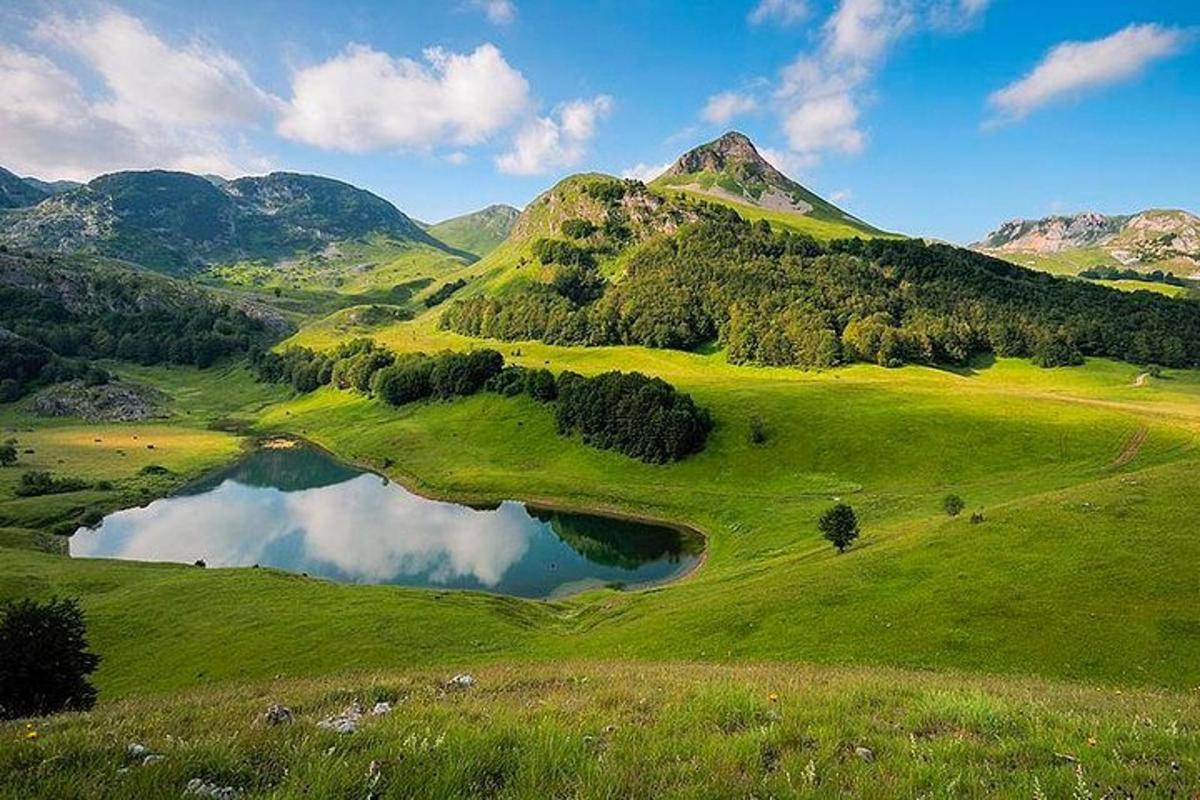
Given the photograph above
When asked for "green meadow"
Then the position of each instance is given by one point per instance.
(1081, 573)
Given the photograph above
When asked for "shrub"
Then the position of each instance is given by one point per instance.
(758, 431)
(8, 455)
(540, 385)
(36, 483)
(44, 659)
(577, 228)
(953, 505)
(977, 518)
(840, 526)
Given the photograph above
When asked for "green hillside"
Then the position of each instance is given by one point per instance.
(479, 232)
(730, 171)
(176, 222)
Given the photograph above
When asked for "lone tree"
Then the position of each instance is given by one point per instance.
(840, 526)
(44, 659)
(8, 454)
(953, 505)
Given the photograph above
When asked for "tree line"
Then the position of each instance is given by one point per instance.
(780, 298)
(642, 417)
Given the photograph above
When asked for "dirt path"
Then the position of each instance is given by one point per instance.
(1132, 447)
(1141, 379)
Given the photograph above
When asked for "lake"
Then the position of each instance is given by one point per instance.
(300, 510)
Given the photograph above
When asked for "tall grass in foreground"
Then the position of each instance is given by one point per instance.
(594, 730)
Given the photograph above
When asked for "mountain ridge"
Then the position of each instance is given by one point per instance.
(1152, 238)
(177, 221)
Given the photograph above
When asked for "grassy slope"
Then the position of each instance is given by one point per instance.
(1079, 546)
(480, 232)
(605, 730)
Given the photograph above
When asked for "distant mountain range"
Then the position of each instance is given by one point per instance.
(1167, 240)
(177, 222)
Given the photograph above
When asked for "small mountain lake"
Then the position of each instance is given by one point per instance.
(300, 510)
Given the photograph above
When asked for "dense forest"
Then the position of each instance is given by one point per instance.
(785, 299)
(56, 319)
(642, 417)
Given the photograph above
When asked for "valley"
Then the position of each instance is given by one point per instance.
(927, 642)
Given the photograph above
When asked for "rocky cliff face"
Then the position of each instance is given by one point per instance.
(1148, 238)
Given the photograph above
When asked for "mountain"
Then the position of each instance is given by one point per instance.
(52, 187)
(479, 232)
(731, 171)
(176, 221)
(18, 192)
(1156, 239)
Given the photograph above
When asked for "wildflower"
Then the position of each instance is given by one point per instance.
(31, 735)
(774, 698)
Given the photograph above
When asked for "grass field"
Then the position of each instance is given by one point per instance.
(1083, 570)
(605, 730)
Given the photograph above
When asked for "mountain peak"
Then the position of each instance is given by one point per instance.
(734, 153)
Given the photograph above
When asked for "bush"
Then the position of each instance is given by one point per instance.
(953, 505)
(577, 228)
(44, 659)
(758, 431)
(540, 385)
(36, 483)
(840, 526)
(8, 455)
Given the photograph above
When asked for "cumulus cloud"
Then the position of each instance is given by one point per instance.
(819, 97)
(1074, 67)
(725, 106)
(559, 140)
(151, 82)
(645, 172)
(144, 104)
(787, 162)
(500, 12)
(363, 100)
(784, 12)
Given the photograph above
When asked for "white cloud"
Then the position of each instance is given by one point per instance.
(645, 172)
(723, 107)
(863, 30)
(785, 12)
(547, 143)
(825, 123)
(1072, 67)
(841, 196)
(457, 158)
(152, 105)
(363, 100)
(152, 83)
(500, 12)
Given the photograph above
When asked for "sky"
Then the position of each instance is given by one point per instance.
(940, 118)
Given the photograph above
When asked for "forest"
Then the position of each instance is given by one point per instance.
(780, 298)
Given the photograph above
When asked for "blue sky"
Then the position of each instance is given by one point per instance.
(934, 117)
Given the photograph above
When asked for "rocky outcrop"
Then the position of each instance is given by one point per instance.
(109, 402)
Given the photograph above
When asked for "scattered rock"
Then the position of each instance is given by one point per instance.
(865, 753)
(346, 722)
(277, 714)
(136, 750)
(118, 401)
(198, 787)
(381, 708)
(461, 681)
(153, 758)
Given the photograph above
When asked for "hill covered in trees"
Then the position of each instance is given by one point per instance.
(701, 273)
(58, 316)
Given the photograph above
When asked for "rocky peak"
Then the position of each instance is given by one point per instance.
(733, 153)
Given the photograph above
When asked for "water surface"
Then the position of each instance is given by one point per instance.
(300, 510)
